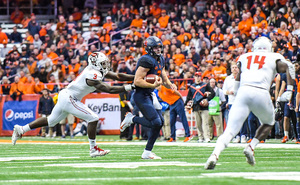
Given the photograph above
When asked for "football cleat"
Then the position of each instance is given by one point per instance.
(96, 151)
(17, 134)
(285, 139)
(150, 155)
(249, 153)
(249, 141)
(126, 122)
(211, 162)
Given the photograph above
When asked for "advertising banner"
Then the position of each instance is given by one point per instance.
(15, 112)
(108, 110)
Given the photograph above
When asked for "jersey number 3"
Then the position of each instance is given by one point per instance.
(260, 62)
(95, 76)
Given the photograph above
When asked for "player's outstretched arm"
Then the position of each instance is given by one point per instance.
(166, 82)
(103, 87)
(119, 76)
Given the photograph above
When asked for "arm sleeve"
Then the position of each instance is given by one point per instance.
(40, 106)
(212, 93)
(188, 97)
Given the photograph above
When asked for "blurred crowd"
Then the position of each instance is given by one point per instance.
(198, 36)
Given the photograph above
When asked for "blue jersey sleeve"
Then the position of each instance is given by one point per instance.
(145, 62)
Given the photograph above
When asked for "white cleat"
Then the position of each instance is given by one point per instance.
(96, 151)
(17, 134)
(150, 156)
(249, 153)
(211, 162)
(126, 122)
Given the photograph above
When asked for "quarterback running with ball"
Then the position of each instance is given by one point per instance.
(69, 100)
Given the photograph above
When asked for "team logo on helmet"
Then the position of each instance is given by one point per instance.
(93, 58)
(9, 115)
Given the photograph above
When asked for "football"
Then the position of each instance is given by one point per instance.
(204, 103)
(206, 94)
(151, 78)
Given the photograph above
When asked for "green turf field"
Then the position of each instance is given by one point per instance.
(59, 162)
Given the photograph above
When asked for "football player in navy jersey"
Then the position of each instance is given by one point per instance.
(145, 99)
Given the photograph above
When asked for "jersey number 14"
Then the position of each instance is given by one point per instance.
(260, 62)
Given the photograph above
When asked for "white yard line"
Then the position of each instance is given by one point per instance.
(34, 158)
(290, 176)
(190, 144)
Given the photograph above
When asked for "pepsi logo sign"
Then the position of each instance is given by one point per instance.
(9, 115)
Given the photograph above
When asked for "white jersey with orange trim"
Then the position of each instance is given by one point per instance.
(79, 88)
(258, 68)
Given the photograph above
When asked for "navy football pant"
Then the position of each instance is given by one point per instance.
(152, 118)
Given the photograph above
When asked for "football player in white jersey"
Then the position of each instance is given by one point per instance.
(257, 70)
(89, 80)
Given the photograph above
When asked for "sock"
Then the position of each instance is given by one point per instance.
(286, 133)
(147, 152)
(253, 143)
(222, 143)
(26, 128)
(92, 143)
(298, 130)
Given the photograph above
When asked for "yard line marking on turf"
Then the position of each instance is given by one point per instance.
(34, 158)
(125, 164)
(99, 179)
(141, 143)
(290, 176)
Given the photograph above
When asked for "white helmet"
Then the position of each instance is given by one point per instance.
(99, 61)
(262, 44)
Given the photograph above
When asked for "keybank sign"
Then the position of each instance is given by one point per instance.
(104, 107)
(107, 108)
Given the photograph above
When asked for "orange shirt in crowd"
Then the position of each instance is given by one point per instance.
(166, 42)
(217, 37)
(105, 38)
(74, 69)
(181, 37)
(283, 33)
(163, 21)
(137, 23)
(39, 87)
(29, 88)
(17, 19)
(168, 95)
(233, 47)
(155, 12)
(219, 71)
(25, 22)
(60, 26)
(107, 26)
(54, 57)
(43, 32)
(178, 59)
(17, 87)
(29, 39)
(245, 27)
(208, 74)
(23, 79)
(94, 21)
(3, 38)
(77, 16)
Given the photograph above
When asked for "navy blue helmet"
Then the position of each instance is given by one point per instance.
(152, 42)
